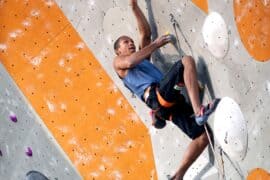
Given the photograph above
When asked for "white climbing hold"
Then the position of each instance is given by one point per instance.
(215, 34)
(230, 128)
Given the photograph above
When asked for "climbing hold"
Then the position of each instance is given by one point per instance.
(171, 37)
(35, 175)
(230, 128)
(258, 173)
(29, 151)
(252, 20)
(1, 154)
(13, 117)
(215, 34)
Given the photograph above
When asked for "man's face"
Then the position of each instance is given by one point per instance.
(126, 46)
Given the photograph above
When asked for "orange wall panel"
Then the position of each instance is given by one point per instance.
(253, 22)
(72, 94)
(202, 4)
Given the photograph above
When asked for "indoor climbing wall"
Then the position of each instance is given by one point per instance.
(74, 90)
(229, 41)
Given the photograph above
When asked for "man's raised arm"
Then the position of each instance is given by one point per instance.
(144, 27)
(127, 62)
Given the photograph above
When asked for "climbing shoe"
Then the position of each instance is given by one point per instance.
(206, 111)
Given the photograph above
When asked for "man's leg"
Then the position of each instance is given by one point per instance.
(184, 121)
(191, 83)
(190, 79)
(194, 149)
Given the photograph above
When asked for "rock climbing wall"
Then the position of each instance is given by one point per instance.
(25, 142)
(60, 56)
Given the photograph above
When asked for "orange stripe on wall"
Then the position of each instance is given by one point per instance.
(88, 116)
(202, 4)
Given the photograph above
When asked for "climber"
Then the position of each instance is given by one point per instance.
(161, 92)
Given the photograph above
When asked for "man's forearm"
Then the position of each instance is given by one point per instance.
(142, 54)
(137, 57)
(144, 27)
(126, 62)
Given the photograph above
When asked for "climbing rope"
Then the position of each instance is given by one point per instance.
(220, 169)
(175, 26)
(235, 165)
(221, 152)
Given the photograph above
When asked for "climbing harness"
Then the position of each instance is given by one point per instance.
(162, 101)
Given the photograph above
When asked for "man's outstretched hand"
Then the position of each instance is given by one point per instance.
(162, 40)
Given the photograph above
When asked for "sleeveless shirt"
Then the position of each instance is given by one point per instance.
(142, 76)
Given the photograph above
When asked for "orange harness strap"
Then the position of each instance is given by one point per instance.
(162, 101)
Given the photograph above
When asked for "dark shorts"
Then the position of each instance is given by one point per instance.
(181, 112)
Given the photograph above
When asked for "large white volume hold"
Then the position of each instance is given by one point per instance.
(215, 34)
(230, 129)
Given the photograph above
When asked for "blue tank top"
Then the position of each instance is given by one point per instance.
(142, 76)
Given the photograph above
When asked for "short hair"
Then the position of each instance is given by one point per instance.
(116, 43)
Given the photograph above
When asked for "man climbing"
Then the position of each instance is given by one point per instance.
(161, 92)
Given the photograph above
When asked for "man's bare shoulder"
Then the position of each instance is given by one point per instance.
(118, 66)
(120, 62)
(116, 61)
(117, 58)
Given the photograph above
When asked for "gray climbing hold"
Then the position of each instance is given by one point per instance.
(35, 175)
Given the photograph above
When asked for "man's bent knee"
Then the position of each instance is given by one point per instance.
(188, 60)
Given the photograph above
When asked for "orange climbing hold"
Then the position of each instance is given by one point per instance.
(253, 22)
(258, 174)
